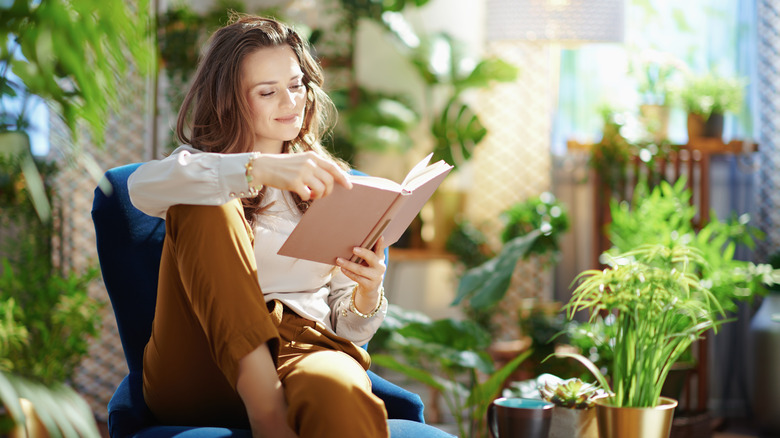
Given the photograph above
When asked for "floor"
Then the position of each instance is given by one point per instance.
(734, 430)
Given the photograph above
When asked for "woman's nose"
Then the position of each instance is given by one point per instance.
(288, 100)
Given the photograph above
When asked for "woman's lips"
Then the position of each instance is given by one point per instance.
(288, 119)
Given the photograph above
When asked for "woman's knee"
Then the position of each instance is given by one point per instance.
(326, 386)
(327, 372)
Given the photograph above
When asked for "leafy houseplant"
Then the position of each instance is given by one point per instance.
(449, 356)
(453, 126)
(660, 307)
(533, 226)
(656, 73)
(664, 216)
(69, 54)
(46, 316)
(707, 98)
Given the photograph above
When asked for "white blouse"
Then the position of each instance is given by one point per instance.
(316, 291)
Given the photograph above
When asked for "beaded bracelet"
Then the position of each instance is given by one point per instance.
(253, 190)
(354, 309)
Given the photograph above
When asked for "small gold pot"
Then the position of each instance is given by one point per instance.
(617, 422)
(574, 423)
(32, 427)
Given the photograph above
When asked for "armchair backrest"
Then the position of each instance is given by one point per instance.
(129, 245)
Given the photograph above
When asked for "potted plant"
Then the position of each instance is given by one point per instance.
(46, 318)
(660, 306)
(450, 357)
(707, 98)
(48, 52)
(574, 415)
(656, 72)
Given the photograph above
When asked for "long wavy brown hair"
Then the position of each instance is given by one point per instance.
(215, 115)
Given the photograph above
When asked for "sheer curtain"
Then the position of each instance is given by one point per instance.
(716, 36)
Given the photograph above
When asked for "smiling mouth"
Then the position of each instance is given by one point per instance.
(288, 119)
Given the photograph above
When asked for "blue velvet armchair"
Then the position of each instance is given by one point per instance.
(129, 245)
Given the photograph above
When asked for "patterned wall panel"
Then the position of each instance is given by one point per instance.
(513, 162)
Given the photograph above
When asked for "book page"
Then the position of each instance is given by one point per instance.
(425, 175)
(417, 169)
(374, 181)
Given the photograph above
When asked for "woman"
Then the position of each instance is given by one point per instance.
(242, 335)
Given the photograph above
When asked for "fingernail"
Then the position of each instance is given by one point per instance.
(340, 261)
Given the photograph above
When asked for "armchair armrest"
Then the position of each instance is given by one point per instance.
(127, 410)
(400, 403)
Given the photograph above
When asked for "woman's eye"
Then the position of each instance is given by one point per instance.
(296, 86)
(266, 93)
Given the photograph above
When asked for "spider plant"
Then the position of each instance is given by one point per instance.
(661, 306)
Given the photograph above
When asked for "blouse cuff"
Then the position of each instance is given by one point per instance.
(355, 327)
(233, 170)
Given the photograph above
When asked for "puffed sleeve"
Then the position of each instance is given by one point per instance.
(345, 322)
(188, 176)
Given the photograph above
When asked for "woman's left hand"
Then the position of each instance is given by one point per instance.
(368, 275)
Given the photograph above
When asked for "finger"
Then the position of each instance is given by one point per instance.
(316, 188)
(357, 268)
(380, 246)
(371, 258)
(364, 282)
(327, 181)
(303, 191)
(338, 175)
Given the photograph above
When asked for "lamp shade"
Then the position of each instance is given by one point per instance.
(556, 20)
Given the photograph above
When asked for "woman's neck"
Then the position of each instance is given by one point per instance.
(269, 147)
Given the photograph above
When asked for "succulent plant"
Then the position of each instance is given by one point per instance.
(572, 393)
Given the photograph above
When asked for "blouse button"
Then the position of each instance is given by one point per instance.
(241, 194)
(343, 312)
(232, 194)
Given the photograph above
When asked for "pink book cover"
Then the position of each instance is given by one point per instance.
(333, 225)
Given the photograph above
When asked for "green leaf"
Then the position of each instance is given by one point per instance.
(482, 394)
(10, 399)
(61, 410)
(588, 364)
(485, 285)
(417, 374)
(457, 131)
(487, 72)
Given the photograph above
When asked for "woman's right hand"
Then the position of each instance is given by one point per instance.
(307, 174)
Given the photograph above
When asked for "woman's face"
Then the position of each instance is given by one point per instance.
(273, 86)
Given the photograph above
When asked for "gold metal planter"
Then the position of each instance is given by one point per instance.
(655, 422)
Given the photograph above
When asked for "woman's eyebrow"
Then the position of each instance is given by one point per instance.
(298, 76)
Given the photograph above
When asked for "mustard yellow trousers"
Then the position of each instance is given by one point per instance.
(211, 313)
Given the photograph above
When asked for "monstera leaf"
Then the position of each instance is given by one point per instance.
(456, 131)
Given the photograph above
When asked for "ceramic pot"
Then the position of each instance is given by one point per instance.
(618, 422)
(519, 417)
(574, 423)
(656, 119)
(710, 128)
(765, 332)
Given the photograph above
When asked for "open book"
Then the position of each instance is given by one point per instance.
(374, 207)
